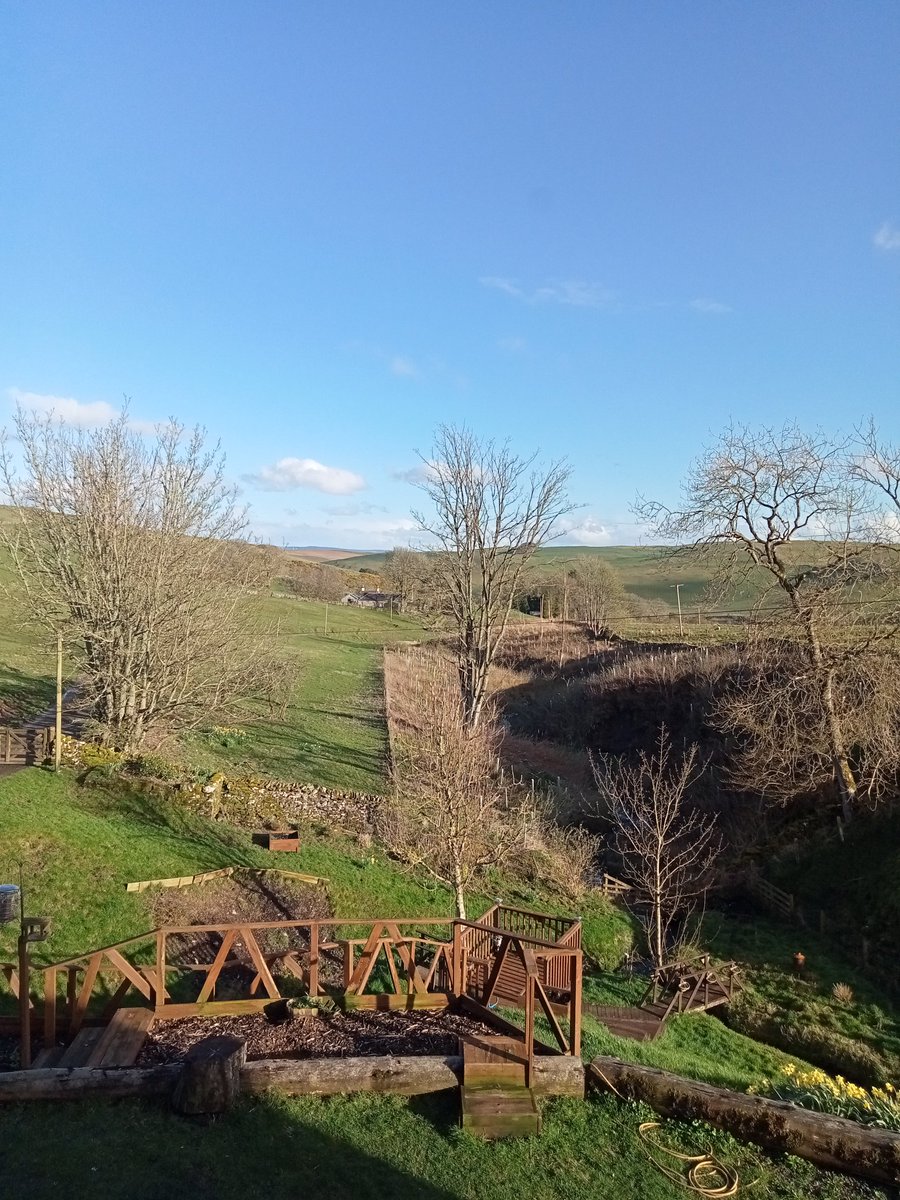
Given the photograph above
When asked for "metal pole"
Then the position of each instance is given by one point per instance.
(24, 996)
(326, 619)
(57, 742)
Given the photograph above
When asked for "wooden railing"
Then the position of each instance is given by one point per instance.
(418, 957)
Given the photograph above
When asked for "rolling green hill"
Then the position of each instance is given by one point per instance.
(645, 571)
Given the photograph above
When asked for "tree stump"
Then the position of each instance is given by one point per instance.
(210, 1079)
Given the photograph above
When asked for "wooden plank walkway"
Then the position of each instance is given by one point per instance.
(495, 1100)
(625, 1021)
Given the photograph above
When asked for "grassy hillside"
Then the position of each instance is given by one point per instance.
(646, 571)
(80, 845)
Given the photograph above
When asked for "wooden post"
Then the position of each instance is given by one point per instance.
(457, 981)
(529, 1028)
(71, 993)
(211, 1078)
(313, 984)
(24, 1003)
(50, 1007)
(575, 1006)
(159, 995)
(57, 741)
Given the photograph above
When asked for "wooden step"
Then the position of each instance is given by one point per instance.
(82, 1047)
(499, 1112)
(122, 1038)
(48, 1057)
(489, 1060)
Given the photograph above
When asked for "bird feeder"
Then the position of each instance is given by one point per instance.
(9, 903)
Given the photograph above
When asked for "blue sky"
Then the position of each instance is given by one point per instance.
(600, 229)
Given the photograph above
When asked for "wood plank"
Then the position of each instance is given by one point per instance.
(262, 967)
(132, 974)
(387, 1001)
(122, 1039)
(84, 995)
(212, 1008)
(217, 963)
(81, 1048)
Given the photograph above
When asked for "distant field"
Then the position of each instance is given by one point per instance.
(646, 571)
(319, 553)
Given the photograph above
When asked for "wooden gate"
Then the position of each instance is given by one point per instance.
(24, 747)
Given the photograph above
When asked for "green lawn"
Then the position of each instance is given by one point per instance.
(368, 1148)
(81, 844)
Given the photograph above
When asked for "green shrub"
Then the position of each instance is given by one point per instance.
(154, 766)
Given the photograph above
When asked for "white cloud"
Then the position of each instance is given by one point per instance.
(90, 414)
(405, 368)
(290, 473)
(66, 409)
(585, 531)
(576, 293)
(887, 237)
(417, 474)
(352, 510)
(714, 308)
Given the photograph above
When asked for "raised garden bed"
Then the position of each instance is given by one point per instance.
(337, 1035)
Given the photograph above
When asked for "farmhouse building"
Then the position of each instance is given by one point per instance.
(371, 599)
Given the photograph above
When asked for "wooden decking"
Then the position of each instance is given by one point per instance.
(674, 988)
(495, 1099)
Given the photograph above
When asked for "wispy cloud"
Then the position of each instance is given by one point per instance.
(576, 293)
(418, 474)
(352, 510)
(404, 367)
(712, 308)
(290, 473)
(512, 345)
(89, 414)
(887, 237)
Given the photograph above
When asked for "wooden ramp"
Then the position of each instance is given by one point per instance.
(496, 1101)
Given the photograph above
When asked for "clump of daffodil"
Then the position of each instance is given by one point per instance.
(812, 1088)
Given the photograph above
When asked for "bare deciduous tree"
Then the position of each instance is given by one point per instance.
(133, 548)
(491, 510)
(596, 594)
(780, 507)
(451, 813)
(667, 847)
(402, 573)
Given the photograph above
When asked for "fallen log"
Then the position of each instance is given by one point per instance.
(408, 1076)
(82, 1083)
(831, 1142)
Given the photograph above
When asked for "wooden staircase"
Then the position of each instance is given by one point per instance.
(496, 1100)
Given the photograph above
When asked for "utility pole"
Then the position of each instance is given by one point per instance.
(57, 741)
(678, 587)
(326, 618)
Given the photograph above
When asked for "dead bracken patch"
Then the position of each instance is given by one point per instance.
(338, 1035)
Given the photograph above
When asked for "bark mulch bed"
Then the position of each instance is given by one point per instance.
(337, 1035)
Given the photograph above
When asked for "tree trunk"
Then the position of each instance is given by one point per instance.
(459, 892)
(843, 772)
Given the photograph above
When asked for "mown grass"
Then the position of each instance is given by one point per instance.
(81, 844)
(370, 1148)
(333, 731)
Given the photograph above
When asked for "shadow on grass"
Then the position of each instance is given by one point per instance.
(264, 1147)
(22, 695)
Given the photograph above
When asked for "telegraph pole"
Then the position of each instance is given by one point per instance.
(57, 741)
(678, 587)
